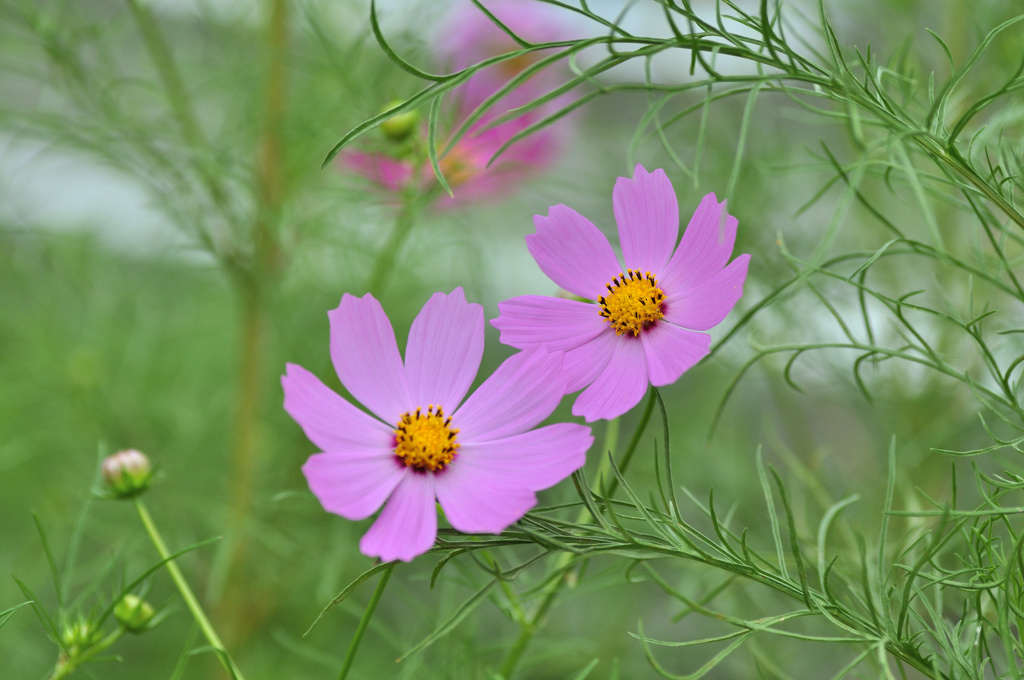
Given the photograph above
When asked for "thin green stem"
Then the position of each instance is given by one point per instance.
(518, 615)
(611, 440)
(385, 263)
(527, 631)
(364, 622)
(530, 627)
(627, 456)
(186, 592)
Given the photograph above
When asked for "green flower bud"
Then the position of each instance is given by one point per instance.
(134, 613)
(79, 636)
(127, 473)
(397, 128)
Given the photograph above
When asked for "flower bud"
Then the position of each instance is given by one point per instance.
(127, 473)
(79, 636)
(133, 613)
(398, 127)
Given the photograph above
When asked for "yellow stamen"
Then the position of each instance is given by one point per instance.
(458, 167)
(516, 65)
(633, 302)
(426, 441)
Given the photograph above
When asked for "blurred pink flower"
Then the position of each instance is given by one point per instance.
(480, 458)
(465, 166)
(470, 37)
(644, 328)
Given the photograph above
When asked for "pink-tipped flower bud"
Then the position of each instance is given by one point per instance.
(127, 473)
(134, 613)
(398, 127)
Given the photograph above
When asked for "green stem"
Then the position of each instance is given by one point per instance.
(389, 253)
(527, 631)
(627, 457)
(186, 592)
(67, 666)
(168, 72)
(270, 171)
(177, 95)
(611, 440)
(243, 463)
(254, 284)
(530, 627)
(365, 622)
(518, 615)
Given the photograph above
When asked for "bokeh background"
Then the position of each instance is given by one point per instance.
(139, 307)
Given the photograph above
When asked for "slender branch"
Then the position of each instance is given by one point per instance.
(400, 232)
(364, 622)
(185, 590)
(530, 627)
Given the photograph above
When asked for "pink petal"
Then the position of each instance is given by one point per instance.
(471, 36)
(619, 387)
(647, 213)
(586, 362)
(572, 252)
(388, 172)
(705, 304)
(532, 460)
(555, 323)
(471, 175)
(366, 357)
(475, 500)
(706, 246)
(329, 421)
(521, 393)
(407, 526)
(671, 351)
(353, 483)
(534, 152)
(446, 342)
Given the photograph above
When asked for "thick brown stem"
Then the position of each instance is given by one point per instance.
(241, 608)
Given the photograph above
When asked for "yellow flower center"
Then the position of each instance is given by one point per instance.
(516, 65)
(633, 302)
(425, 441)
(458, 167)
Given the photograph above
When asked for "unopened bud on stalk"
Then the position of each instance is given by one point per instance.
(133, 613)
(397, 128)
(127, 473)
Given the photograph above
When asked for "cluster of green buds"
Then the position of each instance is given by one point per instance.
(83, 639)
(127, 473)
(80, 636)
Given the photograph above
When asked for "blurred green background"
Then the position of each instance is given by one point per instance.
(126, 294)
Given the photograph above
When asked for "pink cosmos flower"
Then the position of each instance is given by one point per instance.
(469, 37)
(645, 327)
(480, 458)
